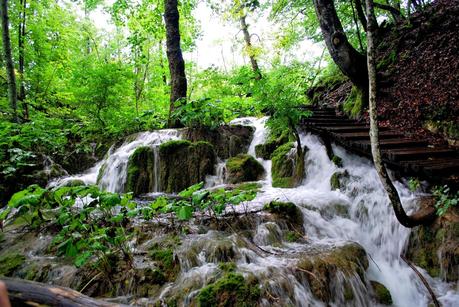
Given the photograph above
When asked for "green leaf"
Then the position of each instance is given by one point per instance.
(82, 259)
(185, 213)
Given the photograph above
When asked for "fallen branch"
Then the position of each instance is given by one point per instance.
(24, 292)
(424, 281)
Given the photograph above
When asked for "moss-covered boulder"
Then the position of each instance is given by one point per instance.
(183, 164)
(244, 167)
(230, 290)
(320, 270)
(285, 210)
(140, 171)
(338, 180)
(10, 262)
(382, 294)
(435, 247)
(228, 140)
(265, 150)
(287, 166)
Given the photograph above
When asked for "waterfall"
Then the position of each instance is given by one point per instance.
(111, 173)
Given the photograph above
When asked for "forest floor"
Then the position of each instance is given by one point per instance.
(418, 72)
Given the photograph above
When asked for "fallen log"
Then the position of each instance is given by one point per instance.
(29, 293)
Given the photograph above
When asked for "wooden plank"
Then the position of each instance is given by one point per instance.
(420, 153)
(365, 135)
(392, 143)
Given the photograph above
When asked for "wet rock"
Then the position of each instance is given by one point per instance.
(184, 163)
(228, 140)
(230, 290)
(286, 210)
(382, 294)
(287, 167)
(337, 161)
(140, 171)
(74, 183)
(321, 269)
(243, 168)
(265, 151)
(435, 247)
(10, 262)
(339, 179)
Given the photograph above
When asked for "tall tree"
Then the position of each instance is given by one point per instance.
(12, 92)
(21, 47)
(351, 62)
(174, 56)
(248, 43)
(421, 217)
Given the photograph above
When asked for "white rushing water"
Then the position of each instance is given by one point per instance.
(112, 170)
(368, 220)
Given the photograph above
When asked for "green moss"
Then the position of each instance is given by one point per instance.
(74, 183)
(140, 171)
(184, 164)
(172, 146)
(388, 60)
(337, 161)
(230, 290)
(382, 294)
(10, 262)
(244, 167)
(283, 167)
(227, 266)
(265, 151)
(101, 173)
(164, 256)
(355, 103)
(348, 292)
(248, 186)
(338, 179)
(286, 210)
(292, 236)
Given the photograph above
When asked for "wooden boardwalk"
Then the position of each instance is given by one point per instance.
(405, 156)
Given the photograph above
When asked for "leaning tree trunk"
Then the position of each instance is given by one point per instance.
(248, 43)
(419, 218)
(174, 56)
(349, 60)
(12, 92)
(30, 293)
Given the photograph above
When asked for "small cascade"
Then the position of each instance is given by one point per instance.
(111, 173)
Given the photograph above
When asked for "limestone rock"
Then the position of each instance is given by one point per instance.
(183, 164)
(244, 167)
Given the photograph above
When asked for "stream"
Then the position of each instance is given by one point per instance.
(359, 212)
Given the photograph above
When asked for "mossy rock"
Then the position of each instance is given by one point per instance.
(265, 151)
(10, 262)
(337, 161)
(166, 261)
(382, 294)
(183, 164)
(74, 183)
(101, 173)
(338, 180)
(350, 260)
(435, 247)
(230, 290)
(243, 168)
(228, 140)
(286, 210)
(287, 167)
(140, 171)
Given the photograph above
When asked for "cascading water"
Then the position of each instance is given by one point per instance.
(360, 212)
(110, 173)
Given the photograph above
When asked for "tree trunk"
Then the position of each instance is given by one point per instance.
(12, 92)
(21, 47)
(350, 61)
(161, 63)
(361, 14)
(30, 293)
(248, 43)
(175, 57)
(418, 218)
